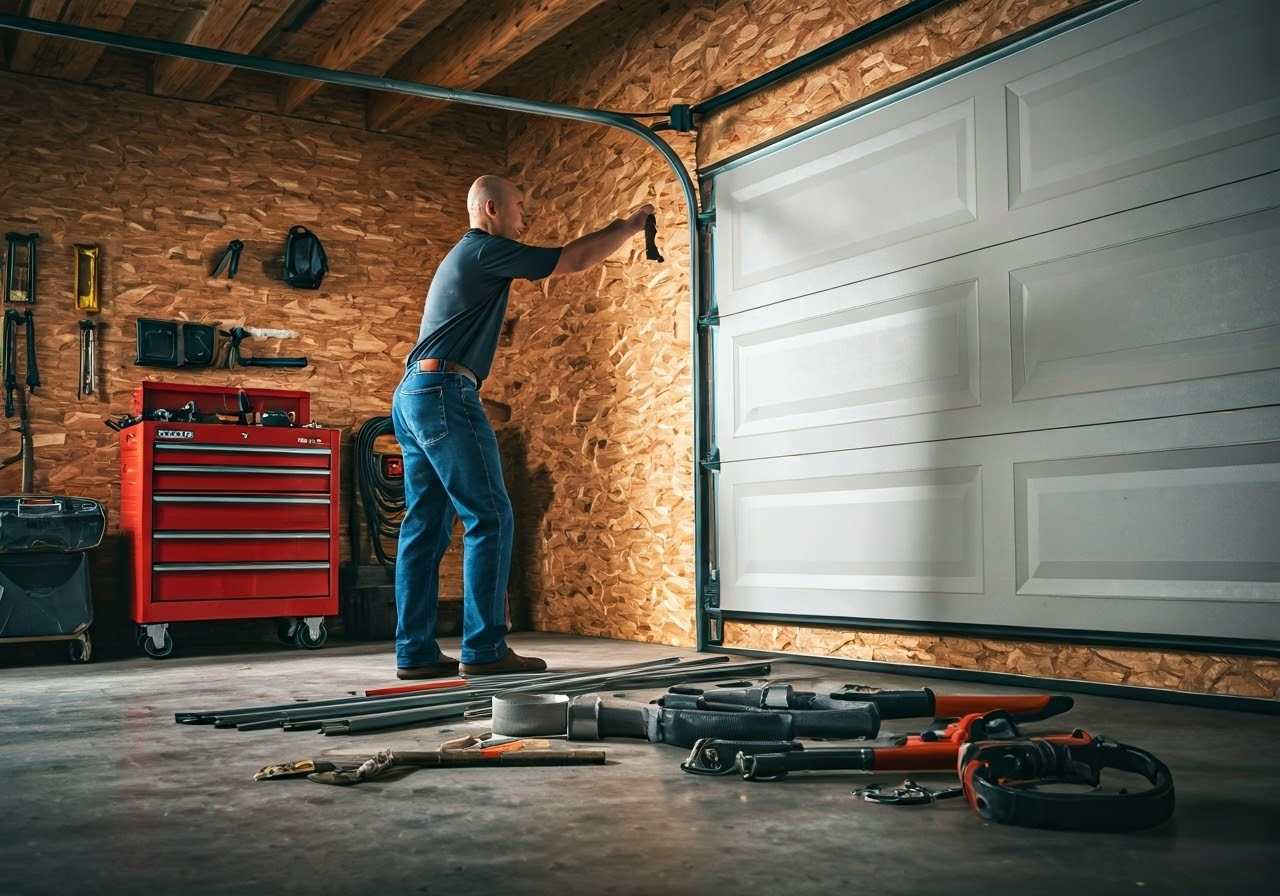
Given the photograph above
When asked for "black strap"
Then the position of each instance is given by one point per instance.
(33, 372)
(1001, 780)
(230, 259)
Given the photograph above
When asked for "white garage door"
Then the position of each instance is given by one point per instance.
(1002, 353)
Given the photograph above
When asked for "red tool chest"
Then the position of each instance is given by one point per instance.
(229, 520)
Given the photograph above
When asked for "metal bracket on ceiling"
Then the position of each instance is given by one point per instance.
(680, 120)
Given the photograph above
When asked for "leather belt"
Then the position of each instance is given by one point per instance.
(439, 365)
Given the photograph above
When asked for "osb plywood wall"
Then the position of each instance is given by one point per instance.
(162, 187)
(600, 375)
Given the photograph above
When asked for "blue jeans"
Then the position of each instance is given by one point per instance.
(451, 465)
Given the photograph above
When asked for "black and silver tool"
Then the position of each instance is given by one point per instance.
(88, 358)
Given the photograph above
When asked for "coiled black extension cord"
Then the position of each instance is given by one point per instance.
(381, 496)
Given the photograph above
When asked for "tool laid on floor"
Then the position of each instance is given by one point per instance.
(508, 754)
(441, 684)
(1004, 774)
(910, 704)
(1003, 782)
(937, 747)
(591, 717)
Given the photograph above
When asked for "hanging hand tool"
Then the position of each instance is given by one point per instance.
(238, 335)
(88, 358)
(230, 261)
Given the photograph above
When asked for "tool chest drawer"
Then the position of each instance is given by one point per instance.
(204, 546)
(230, 520)
(240, 512)
(236, 581)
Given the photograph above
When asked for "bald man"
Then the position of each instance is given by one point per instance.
(451, 460)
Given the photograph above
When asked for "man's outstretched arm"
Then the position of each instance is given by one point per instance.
(592, 248)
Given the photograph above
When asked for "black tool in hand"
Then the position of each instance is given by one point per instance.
(650, 240)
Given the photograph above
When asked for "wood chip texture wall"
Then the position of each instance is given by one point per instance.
(596, 368)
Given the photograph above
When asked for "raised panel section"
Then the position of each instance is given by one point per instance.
(1197, 84)
(909, 355)
(1194, 524)
(1154, 527)
(892, 531)
(1200, 302)
(887, 188)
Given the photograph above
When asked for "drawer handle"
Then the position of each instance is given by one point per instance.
(237, 449)
(258, 499)
(231, 468)
(227, 567)
(240, 536)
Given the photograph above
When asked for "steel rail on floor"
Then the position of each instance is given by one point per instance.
(400, 718)
(211, 716)
(345, 715)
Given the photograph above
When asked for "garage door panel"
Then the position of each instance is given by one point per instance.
(1200, 302)
(907, 530)
(1192, 524)
(906, 355)
(1191, 86)
(1060, 132)
(898, 185)
(980, 531)
(1169, 309)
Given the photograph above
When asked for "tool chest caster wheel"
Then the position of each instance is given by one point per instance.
(287, 632)
(146, 640)
(80, 649)
(312, 640)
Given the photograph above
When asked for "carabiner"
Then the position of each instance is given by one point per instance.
(909, 794)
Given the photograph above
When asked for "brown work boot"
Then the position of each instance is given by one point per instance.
(445, 667)
(511, 664)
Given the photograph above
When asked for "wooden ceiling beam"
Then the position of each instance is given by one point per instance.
(70, 59)
(358, 35)
(469, 51)
(234, 25)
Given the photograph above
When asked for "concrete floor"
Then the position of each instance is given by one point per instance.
(104, 792)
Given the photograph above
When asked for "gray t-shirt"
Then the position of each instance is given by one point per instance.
(467, 299)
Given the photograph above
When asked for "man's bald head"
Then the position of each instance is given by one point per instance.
(496, 205)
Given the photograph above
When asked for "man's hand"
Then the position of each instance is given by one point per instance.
(638, 218)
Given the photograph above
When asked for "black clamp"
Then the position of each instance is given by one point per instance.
(1001, 780)
(230, 259)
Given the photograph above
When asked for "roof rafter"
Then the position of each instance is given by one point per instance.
(55, 58)
(235, 25)
(361, 33)
(467, 52)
